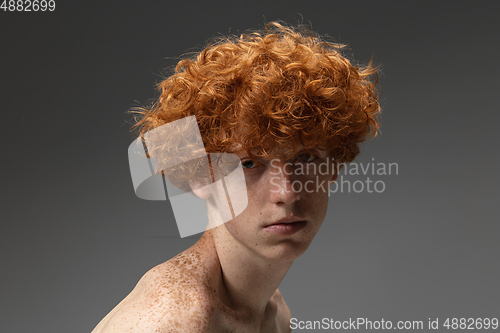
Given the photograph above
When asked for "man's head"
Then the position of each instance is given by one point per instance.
(283, 87)
(271, 98)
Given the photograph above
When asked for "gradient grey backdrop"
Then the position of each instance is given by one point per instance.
(75, 239)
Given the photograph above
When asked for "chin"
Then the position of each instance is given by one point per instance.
(286, 250)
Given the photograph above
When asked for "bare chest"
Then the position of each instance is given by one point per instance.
(275, 321)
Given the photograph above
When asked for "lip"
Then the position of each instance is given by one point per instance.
(286, 226)
(286, 220)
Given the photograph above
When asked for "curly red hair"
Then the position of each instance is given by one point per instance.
(284, 86)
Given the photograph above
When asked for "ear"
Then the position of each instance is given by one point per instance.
(200, 190)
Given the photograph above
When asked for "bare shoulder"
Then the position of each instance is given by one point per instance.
(171, 297)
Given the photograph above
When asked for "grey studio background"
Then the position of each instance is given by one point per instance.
(75, 239)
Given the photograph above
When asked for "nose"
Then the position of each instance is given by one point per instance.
(282, 186)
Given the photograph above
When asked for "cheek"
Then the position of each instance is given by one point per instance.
(233, 228)
(316, 195)
(246, 223)
(255, 196)
(242, 224)
(241, 229)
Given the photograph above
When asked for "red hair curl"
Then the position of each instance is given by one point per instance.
(281, 87)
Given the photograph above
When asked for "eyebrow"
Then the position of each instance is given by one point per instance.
(285, 156)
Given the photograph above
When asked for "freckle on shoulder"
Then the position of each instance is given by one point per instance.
(172, 298)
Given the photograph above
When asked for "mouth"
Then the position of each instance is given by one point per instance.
(286, 226)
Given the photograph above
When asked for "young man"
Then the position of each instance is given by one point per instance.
(285, 102)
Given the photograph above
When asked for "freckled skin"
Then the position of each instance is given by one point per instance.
(227, 282)
(184, 295)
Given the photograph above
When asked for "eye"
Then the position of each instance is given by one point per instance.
(248, 164)
(305, 158)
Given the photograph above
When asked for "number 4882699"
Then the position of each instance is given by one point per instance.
(28, 5)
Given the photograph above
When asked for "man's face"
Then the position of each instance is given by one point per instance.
(287, 203)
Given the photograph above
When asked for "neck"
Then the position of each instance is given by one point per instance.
(248, 279)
